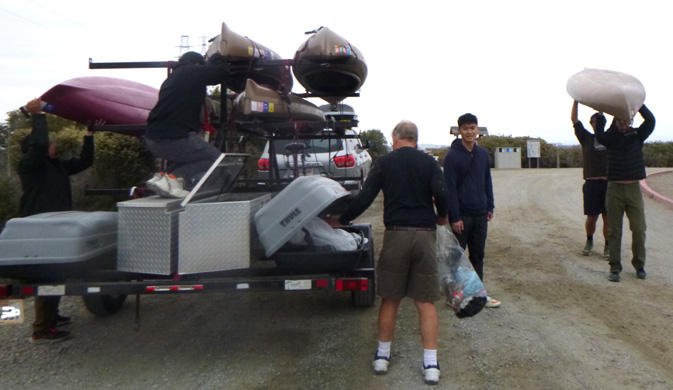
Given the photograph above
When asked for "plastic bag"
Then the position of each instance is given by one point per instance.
(465, 293)
(322, 234)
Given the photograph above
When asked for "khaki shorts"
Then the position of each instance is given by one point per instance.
(408, 266)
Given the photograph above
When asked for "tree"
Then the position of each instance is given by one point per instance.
(378, 143)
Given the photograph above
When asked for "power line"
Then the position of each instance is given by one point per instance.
(56, 13)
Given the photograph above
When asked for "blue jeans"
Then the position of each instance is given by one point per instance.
(186, 157)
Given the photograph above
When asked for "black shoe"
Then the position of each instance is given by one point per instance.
(641, 274)
(62, 320)
(50, 336)
(613, 277)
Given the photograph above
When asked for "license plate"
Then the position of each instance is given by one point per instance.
(297, 284)
(11, 312)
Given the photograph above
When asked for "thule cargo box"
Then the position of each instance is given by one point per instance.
(287, 215)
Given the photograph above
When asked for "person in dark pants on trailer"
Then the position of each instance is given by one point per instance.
(595, 166)
(467, 171)
(173, 123)
(411, 180)
(45, 181)
(625, 170)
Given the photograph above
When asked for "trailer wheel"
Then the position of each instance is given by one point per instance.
(103, 305)
(365, 298)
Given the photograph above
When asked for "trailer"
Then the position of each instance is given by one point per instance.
(208, 242)
(214, 241)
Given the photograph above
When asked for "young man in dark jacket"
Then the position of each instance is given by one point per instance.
(467, 171)
(413, 187)
(625, 170)
(595, 166)
(173, 123)
(45, 181)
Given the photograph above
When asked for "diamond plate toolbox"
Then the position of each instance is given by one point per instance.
(148, 235)
(220, 236)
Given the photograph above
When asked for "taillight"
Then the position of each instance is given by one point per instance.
(352, 284)
(4, 291)
(345, 161)
(263, 164)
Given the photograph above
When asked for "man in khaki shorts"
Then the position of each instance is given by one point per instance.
(413, 185)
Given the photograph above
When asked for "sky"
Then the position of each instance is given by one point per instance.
(507, 62)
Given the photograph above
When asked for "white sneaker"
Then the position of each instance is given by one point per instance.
(492, 303)
(157, 176)
(177, 186)
(381, 364)
(161, 187)
(431, 374)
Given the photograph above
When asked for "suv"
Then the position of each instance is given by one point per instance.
(340, 156)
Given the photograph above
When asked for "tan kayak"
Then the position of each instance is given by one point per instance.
(262, 109)
(249, 59)
(328, 66)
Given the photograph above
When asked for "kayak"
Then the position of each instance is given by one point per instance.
(618, 94)
(262, 109)
(329, 66)
(87, 99)
(249, 59)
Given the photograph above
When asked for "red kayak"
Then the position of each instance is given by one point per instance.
(86, 99)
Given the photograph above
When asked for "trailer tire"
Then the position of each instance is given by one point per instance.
(364, 298)
(103, 305)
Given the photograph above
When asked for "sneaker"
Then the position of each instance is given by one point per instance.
(606, 252)
(50, 336)
(381, 364)
(431, 374)
(177, 187)
(492, 303)
(613, 277)
(641, 274)
(157, 176)
(62, 320)
(588, 248)
(160, 187)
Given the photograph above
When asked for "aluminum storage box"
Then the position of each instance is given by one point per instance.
(220, 236)
(285, 215)
(148, 235)
(209, 230)
(58, 244)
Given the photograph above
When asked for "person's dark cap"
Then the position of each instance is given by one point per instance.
(191, 57)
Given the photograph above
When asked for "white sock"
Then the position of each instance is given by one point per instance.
(384, 349)
(429, 357)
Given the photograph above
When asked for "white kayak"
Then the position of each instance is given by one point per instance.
(615, 93)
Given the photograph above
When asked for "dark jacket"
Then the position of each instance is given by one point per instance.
(181, 98)
(625, 150)
(410, 180)
(594, 154)
(45, 181)
(468, 179)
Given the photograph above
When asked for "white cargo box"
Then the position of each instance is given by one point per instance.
(58, 242)
(287, 213)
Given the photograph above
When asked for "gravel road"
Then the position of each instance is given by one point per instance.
(562, 325)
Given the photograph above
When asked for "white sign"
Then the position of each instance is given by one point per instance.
(533, 147)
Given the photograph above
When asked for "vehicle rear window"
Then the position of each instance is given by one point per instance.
(312, 145)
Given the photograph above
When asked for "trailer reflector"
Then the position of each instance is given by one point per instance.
(352, 285)
(27, 290)
(4, 291)
(322, 283)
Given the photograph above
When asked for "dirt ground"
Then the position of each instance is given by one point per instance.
(562, 324)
